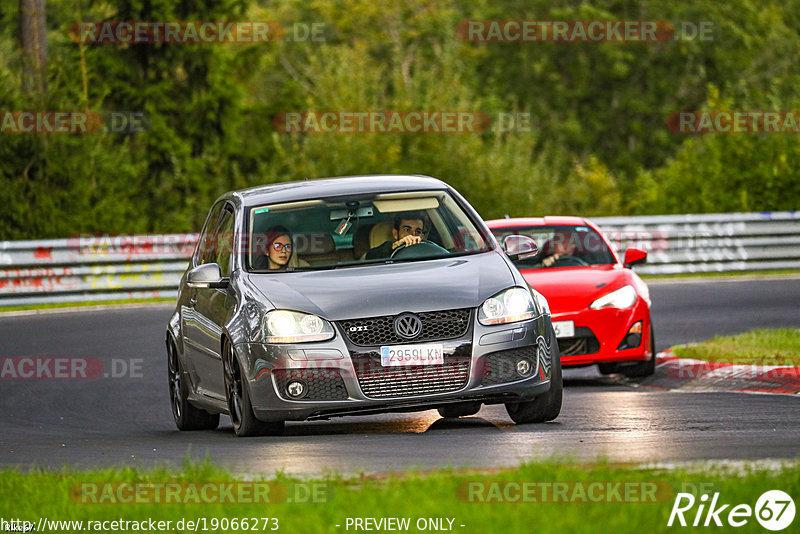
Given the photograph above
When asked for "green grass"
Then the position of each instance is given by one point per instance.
(58, 305)
(436, 494)
(721, 274)
(764, 346)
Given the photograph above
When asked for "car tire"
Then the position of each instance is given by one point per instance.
(187, 416)
(645, 368)
(547, 406)
(452, 411)
(245, 422)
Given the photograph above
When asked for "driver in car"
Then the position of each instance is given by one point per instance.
(560, 250)
(409, 229)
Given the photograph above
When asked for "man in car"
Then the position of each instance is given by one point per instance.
(560, 249)
(409, 229)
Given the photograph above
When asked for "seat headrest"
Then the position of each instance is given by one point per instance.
(314, 244)
(381, 233)
(361, 240)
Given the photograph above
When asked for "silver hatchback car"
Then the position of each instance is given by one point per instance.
(359, 295)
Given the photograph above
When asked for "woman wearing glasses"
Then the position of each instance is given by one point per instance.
(278, 249)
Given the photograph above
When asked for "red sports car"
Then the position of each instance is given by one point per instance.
(600, 307)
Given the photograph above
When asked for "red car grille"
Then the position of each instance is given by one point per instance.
(584, 342)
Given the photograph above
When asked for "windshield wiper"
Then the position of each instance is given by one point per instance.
(314, 268)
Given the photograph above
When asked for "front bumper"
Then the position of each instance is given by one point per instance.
(345, 379)
(599, 334)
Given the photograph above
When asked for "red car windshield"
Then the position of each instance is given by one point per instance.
(561, 246)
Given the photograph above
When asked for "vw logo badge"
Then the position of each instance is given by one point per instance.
(408, 326)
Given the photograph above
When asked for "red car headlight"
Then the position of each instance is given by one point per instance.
(624, 297)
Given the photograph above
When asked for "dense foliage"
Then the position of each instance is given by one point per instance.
(598, 142)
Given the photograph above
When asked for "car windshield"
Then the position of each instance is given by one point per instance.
(331, 233)
(561, 246)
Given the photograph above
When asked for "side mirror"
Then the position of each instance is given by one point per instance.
(207, 275)
(520, 247)
(634, 256)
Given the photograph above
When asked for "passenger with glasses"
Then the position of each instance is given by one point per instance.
(278, 249)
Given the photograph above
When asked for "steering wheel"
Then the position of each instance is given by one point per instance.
(419, 250)
(570, 261)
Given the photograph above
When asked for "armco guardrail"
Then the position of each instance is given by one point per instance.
(93, 267)
(710, 242)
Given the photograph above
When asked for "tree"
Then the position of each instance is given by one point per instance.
(33, 37)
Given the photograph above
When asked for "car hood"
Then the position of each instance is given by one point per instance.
(388, 289)
(575, 288)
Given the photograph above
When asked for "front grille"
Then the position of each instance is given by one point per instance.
(380, 382)
(323, 384)
(501, 366)
(583, 342)
(436, 326)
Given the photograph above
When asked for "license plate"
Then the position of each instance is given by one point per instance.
(427, 354)
(564, 328)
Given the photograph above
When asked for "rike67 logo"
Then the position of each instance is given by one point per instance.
(774, 510)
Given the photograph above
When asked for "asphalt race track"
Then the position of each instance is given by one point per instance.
(127, 420)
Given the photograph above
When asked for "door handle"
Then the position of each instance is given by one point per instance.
(192, 301)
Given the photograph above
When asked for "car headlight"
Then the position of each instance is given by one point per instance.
(543, 304)
(624, 297)
(283, 326)
(508, 306)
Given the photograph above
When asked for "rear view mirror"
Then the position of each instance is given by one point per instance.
(634, 256)
(520, 247)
